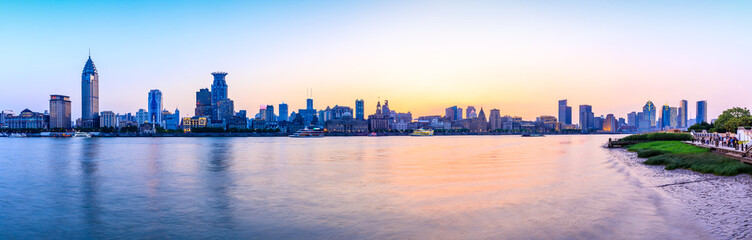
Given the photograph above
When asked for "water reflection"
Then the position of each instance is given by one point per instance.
(89, 164)
(219, 184)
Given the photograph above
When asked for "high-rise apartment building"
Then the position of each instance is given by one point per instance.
(155, 107)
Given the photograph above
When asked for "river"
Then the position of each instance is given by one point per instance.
(441, 187)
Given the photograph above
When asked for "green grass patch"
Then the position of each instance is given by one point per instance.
(701, 162)
(675, 154)
(659, 137)
(667, 147)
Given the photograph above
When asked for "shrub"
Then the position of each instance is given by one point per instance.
(701, 162)
(649, 153)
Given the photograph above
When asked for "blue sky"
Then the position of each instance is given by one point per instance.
(519, 56)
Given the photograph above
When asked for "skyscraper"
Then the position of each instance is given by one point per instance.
(155, 106)
(218, 93)
(565, 112)
(60, 112)
(632, 119)
(359, 109)
(674, 120)
(203, 103)
(309, 104)
(610, 124)
(494, 119)
(683, 114)
(649, 114)
(702, 111)
(451, 113)
(270, 114)
(665, 116)
(459, 114)
(283, 112)
(587, 118)
(89, 95)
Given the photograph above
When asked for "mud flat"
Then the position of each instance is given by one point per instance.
(722, 204)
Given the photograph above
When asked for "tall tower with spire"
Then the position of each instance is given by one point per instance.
(89, 94)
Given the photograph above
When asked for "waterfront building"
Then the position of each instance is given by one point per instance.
(610, 124)
(479, 123)
(194, 122)
(171, 121)
(155, 107)
(283, 112)
(459, 114)
(470, 112)
(89, 95)
(108, 119)
(665, 117)
(142, 116)
(587, 118)
(3, 115)
(347, 124)
(683, 114)
(338, 112)
(649, 113)
(702, 112)
(203, 102)
(379, 121)
(359, 109)
(565, 112)
(547, 123)
(640, 120)
(28, 120)
(451, 113)
(60, 112)
(269, 115)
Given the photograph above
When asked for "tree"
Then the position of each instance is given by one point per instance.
(732, 118)
(702, 126)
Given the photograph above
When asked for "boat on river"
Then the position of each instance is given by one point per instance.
(308, 133)
(532, 135)
(422, 132)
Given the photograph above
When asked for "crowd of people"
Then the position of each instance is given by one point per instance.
(723, 141)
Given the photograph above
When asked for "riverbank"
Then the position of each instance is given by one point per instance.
(676, 154)
(721, 203)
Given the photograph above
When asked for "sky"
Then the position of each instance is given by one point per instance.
(423, 56)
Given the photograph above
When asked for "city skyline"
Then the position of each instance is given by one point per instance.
(502, 66)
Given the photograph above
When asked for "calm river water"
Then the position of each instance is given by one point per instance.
(454, 187)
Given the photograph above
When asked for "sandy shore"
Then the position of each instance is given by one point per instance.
(722, 204)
